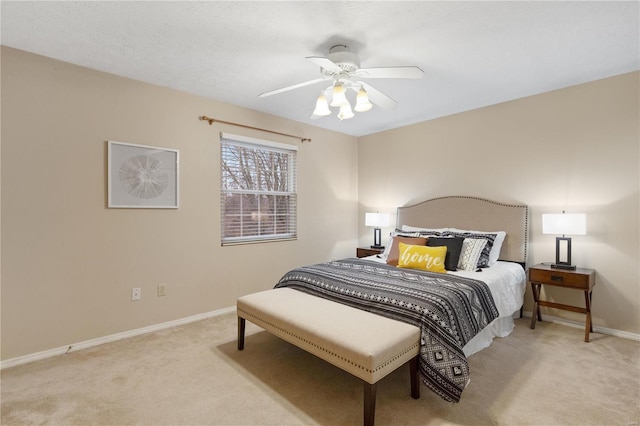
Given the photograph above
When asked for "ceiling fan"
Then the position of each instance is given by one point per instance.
(342, 68)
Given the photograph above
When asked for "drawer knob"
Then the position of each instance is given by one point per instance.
(556, 278)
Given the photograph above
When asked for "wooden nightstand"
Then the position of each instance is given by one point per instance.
(366, 251)
(579, 279)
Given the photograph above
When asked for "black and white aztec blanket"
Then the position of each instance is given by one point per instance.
(448, 309)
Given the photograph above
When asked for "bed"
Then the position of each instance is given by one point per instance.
(473, 213)
(369, 316)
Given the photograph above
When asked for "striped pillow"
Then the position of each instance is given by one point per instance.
(470, 254)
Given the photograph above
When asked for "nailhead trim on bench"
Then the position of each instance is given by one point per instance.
(247, 315)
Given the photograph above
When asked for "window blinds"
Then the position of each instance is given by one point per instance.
(257, 190)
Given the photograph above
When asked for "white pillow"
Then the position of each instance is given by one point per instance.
(387, 248)
(494, 254)
(497, 245)
(470, 253)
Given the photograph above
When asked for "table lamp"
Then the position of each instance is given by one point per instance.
(377, 220)
(564, 224)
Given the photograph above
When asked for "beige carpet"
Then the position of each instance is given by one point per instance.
(193, 375)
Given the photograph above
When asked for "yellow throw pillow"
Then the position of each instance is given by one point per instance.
(394, 252)
(422, 257)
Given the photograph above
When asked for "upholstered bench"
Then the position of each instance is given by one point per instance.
(366, 345)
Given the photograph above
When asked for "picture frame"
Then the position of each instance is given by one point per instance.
(142, 176)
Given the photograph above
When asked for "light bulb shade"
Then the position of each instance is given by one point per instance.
(345, 112)
(339, 96)
(376, 219)
(322, 106)
(362, 101)
(564, 224)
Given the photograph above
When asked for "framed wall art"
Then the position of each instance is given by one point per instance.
(141, 176)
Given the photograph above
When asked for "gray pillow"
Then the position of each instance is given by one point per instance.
(454, 247)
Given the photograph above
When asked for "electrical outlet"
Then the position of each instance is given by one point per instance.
(136, 293)
(162, 290)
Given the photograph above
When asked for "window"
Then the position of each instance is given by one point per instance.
(257, 190)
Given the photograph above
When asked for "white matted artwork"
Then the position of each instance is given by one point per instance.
(141, 176)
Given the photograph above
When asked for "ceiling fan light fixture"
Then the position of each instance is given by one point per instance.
(362, 101)
(339, 96)
(345, 112)
(342, 69)
(322, 106)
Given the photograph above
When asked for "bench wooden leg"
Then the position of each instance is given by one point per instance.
(415, 382)
(241, 325)
(369, 403)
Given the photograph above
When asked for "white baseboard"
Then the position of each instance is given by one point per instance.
(112, 338)
(596, 329)
(150, 329)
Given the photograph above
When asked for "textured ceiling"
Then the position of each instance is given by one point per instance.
(473, 54)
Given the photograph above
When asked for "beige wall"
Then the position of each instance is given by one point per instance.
(575, 149)
(69, 263)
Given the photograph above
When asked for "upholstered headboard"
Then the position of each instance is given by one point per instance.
(472, 213)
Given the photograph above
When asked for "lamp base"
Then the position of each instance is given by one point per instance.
(563, 266)
(377, 239)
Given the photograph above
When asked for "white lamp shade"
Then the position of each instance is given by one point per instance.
(322, 106)
(345, 112)
(564, 224)
(362, 101)
(376, 219)
(339, 96)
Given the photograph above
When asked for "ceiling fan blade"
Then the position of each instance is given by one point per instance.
(390, 72)
(295, 86)
(325, 63)
(378, 98)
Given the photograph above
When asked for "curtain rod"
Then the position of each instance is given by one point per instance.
(215, 120)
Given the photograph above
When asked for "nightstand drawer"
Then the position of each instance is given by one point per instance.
(560, 278)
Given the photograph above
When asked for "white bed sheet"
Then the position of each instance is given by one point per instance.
(507, 282)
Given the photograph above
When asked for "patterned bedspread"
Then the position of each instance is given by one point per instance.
(448, 309)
